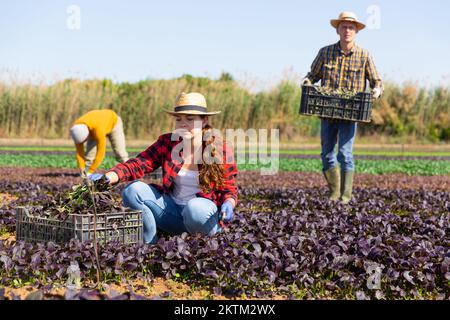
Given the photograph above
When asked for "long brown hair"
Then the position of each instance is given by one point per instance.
(212, 172)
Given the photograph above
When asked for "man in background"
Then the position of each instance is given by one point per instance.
(342, 65)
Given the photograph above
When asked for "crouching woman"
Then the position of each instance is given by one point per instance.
(198, 192)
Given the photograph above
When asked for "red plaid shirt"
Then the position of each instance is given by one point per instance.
(159, 154)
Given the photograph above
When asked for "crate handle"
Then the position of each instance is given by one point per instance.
(24, 210)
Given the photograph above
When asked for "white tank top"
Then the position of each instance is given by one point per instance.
(186, 186)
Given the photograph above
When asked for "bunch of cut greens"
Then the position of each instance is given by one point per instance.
(81, 199)
(340, 93)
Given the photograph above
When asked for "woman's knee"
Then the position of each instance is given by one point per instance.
(136, 192)
(200, 215)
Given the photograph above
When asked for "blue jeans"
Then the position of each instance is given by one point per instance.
(329, 134)
(199, 215)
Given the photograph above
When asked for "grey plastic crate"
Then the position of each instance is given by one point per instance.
(122, 227)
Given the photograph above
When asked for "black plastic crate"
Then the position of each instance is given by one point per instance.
(357, 108)
(121, 227)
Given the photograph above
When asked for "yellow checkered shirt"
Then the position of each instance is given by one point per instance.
(339, 71)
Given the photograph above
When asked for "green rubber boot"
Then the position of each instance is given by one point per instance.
(333, 178)
(346, 186)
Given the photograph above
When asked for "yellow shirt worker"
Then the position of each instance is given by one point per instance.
(94, 127)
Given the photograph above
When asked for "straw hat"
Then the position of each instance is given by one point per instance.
(191, 103)
(349, 17)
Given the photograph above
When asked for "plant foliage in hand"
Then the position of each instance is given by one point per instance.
(81, 200)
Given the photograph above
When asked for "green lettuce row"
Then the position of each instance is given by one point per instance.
(409, 167)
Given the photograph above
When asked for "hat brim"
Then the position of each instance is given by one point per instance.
(192, 112)
(335, 23)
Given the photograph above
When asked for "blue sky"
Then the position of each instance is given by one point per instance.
(259, 42)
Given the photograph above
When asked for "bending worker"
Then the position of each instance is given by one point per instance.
(343, 65)
(93, 128)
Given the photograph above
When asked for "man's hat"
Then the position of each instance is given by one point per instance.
(348, 17)
(191, 103)
(79, 133)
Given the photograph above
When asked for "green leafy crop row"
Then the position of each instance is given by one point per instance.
(409, 167)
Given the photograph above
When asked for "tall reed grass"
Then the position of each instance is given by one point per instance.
(47, 111)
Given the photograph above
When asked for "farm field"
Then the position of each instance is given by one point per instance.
(260, 226)
(286, 242)
(420, 162)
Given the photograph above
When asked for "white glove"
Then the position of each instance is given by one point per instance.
(306, 82)
(376, 92)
